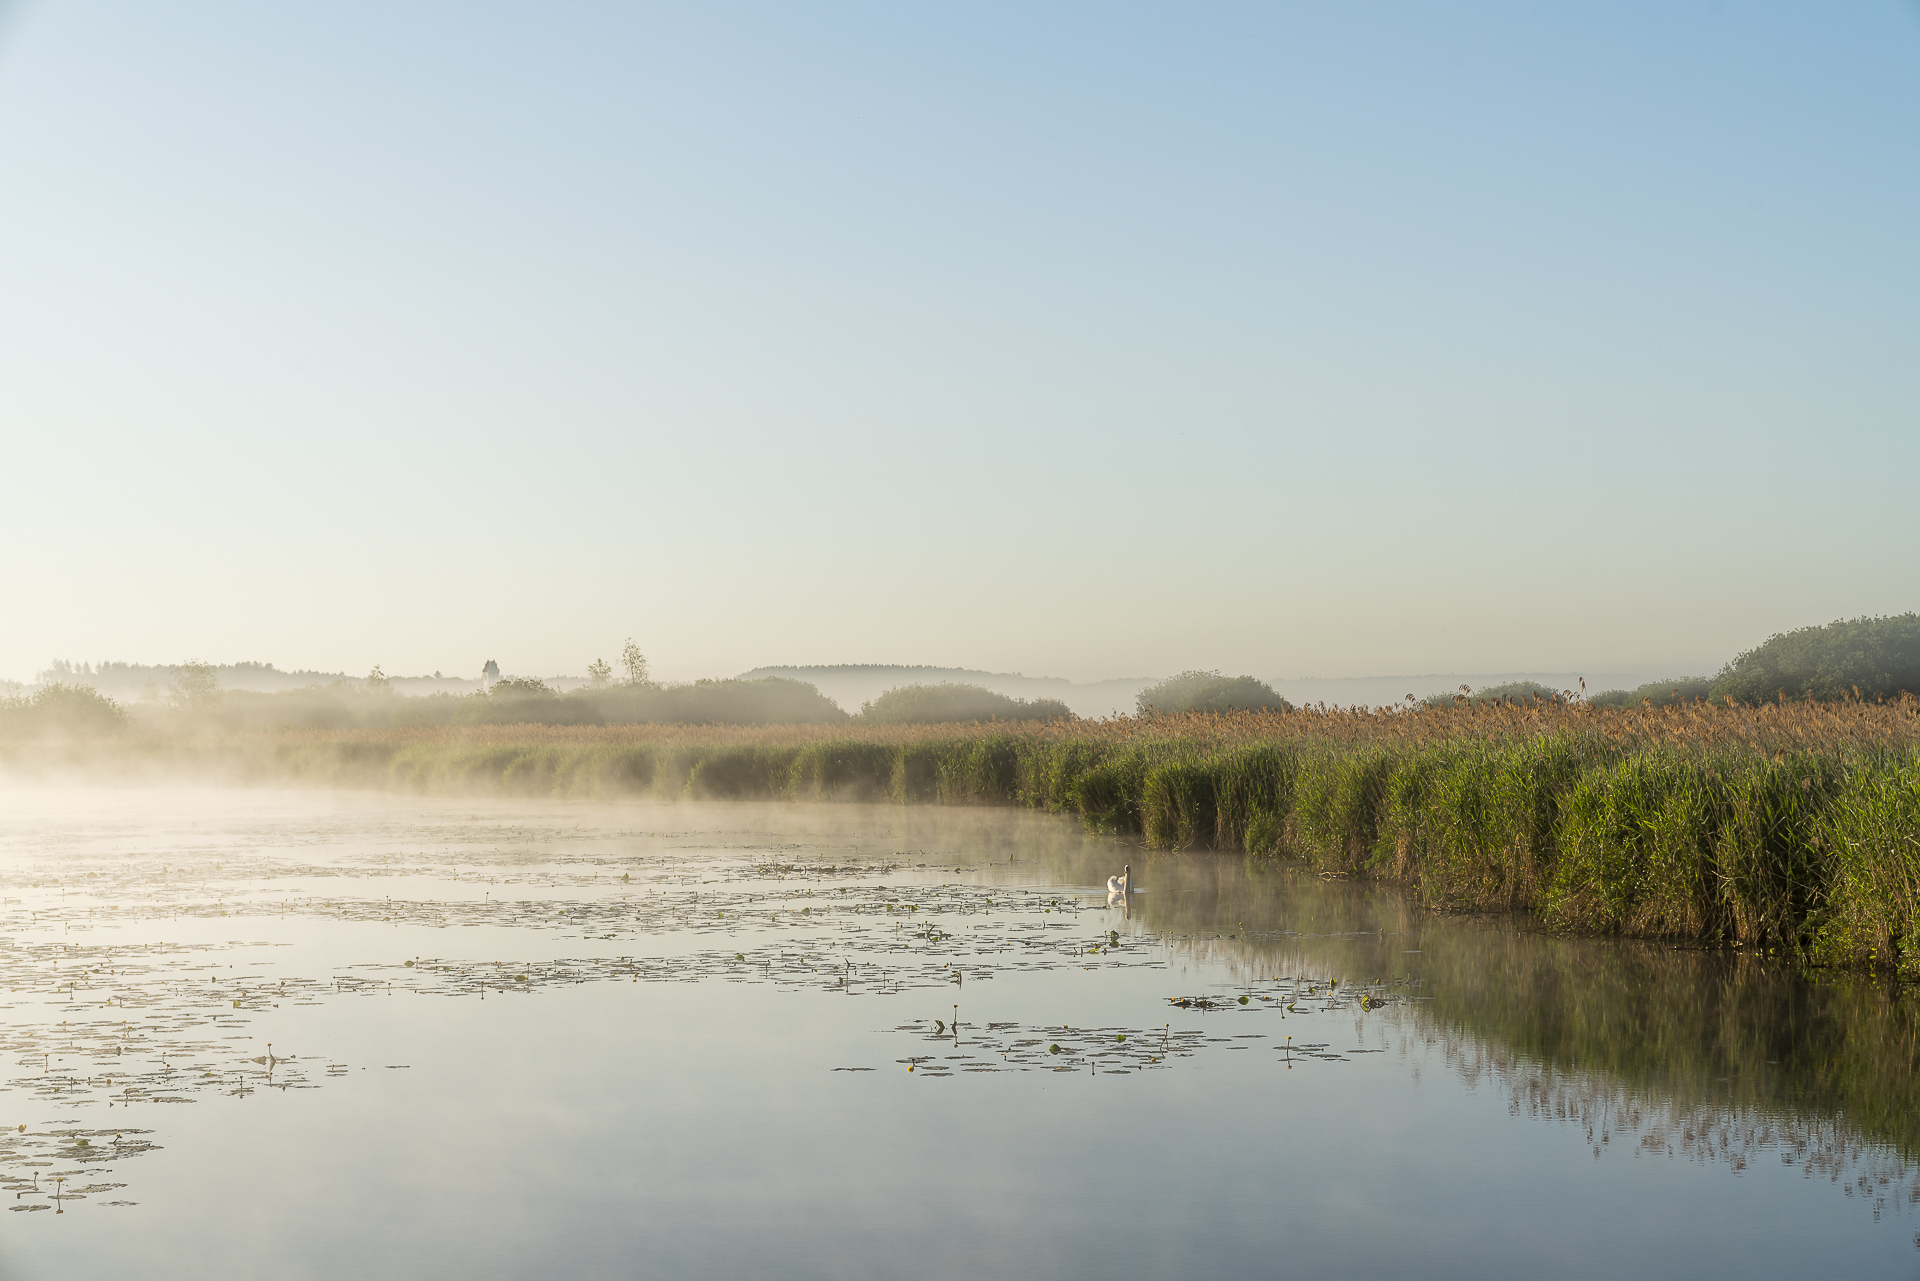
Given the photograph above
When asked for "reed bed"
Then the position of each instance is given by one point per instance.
(1780, 726)
(1792, 826)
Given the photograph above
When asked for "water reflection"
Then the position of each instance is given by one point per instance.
(955, 945)
(1708, 1056)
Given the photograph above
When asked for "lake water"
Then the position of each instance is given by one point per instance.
(318, 1035)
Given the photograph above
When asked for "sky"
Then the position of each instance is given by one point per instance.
(1080, 340)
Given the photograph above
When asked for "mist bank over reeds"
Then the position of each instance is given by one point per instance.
(1788, 826)
(1863, 658)
(193, 703)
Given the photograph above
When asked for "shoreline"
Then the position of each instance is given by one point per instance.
(1788, 829)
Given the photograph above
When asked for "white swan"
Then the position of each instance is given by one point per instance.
(1122, 883)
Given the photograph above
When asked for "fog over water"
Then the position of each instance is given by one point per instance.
(459, 400)
(318, 1034)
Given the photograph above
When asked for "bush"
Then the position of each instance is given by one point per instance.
(772, 700)
(524, 702)
(1877, 657)
(58, 709)
(1209, 692)
(1506, 691)
(946, 702)
(521, 687)
(1657, 693)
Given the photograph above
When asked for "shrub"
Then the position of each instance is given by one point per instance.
(1505, 692)
(524, 701)
(1209, 692)
(1875, 657)
(60, 709)
(948, 702)
(772, 700)
(1657, 693)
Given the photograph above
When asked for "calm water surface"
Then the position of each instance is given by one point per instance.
(312, 1035)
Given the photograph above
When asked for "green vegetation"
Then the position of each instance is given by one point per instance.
(59, 710)
(948, 702)
(1793, 827)
(1209, 692)
(521, 701)
(1787, 825)
(634, 663)
(194, 686)
(1506, 692)
(1852, 658)
(638, 702)
(1657, 693)
(769, 701)
(201, 707)
(131, 680)
(1516, 691)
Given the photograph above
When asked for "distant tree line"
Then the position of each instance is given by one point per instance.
(1866, 658)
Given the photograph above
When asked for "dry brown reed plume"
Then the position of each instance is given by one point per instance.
(1769, 728)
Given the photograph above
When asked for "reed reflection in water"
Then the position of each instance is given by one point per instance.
(629, 994)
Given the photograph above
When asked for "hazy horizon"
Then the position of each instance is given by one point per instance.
(1095, 341)
(852, 685)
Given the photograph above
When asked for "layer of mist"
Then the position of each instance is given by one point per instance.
(1858, 658)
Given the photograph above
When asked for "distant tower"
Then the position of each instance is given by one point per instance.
(490, 675)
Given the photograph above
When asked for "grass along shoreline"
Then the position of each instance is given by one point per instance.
(1789, 826)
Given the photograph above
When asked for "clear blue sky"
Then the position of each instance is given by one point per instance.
(1085, 340)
